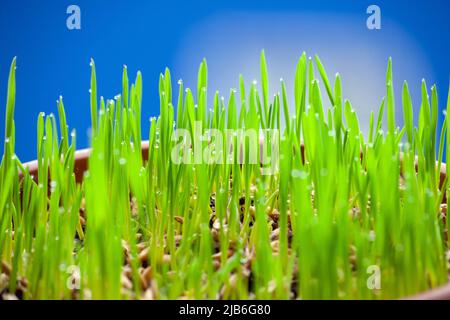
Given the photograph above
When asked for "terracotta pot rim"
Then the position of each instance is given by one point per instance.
(81, 159)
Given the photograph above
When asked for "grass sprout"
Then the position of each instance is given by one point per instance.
(162, 223)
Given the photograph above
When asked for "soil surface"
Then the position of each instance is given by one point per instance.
(149, 287)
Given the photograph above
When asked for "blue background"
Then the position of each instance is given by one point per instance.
(150, 35)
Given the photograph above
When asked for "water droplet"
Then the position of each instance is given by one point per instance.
(53, 185)
(25, 257)
(429, 193)
(302, 174)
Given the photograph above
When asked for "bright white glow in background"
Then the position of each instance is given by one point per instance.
(232, 41)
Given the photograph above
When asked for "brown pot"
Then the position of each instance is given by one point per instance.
(81, 164)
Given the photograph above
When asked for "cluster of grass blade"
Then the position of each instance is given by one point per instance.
(344, 200)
